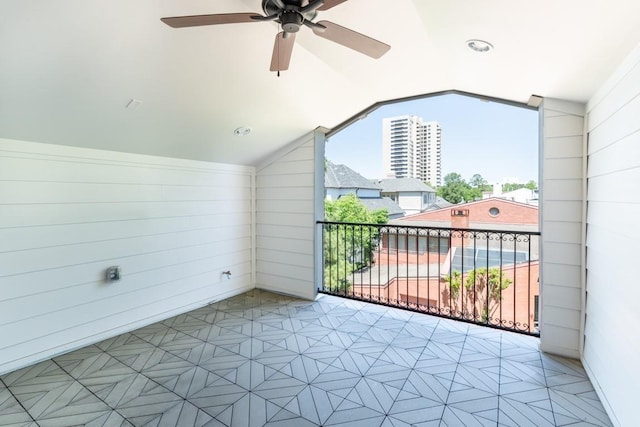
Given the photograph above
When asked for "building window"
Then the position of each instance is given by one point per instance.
(423, 244)
(494, 211)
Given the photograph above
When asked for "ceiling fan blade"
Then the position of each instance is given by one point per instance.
(351, 39)
(282, 49)
(328, 4)
(216, 19)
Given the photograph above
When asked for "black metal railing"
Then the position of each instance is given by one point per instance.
(488, 277)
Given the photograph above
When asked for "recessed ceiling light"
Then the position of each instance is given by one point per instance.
(479, 45)
(242, 131)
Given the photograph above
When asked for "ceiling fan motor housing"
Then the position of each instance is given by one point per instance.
(289, 13)
(291, 21)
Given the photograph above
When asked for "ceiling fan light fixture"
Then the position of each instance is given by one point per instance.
(480, 46)
(291, 21)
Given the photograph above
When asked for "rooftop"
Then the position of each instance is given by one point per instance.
(341, 176)
(395, 185)
(383, 203)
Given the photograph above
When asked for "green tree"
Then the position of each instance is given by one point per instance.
(453, 188)
(481, 294)
(511, 186)
(456, 190)
(478, 181)
(347, 247)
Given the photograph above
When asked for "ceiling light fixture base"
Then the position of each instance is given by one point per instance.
(242, 131)
(480, 46)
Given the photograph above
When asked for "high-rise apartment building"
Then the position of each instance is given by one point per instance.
(411, 148)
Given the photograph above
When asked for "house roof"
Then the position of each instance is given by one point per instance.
(470, 205)
(439, 204)
(396, 185)
(341, 176)
(70, 69)
(383, 203)
(509, 215)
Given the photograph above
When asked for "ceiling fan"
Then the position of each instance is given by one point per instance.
(291, 15)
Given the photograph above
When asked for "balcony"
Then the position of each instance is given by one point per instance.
(487, 277)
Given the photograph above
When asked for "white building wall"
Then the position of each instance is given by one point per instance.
(612, 341)
(562, 227)
(66, 214)
(286, 208)
(335, 193)
(367, 193)
(410, 202)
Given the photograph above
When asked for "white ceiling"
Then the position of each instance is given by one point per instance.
(68, 68)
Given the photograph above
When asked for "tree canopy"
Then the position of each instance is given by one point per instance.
(511, 186)
(349, 208)
(348, 248)
(457, 190)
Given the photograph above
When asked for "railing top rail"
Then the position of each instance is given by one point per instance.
(424, 227)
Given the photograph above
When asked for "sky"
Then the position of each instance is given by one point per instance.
(498, 141)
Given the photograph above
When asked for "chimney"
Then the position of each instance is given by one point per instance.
(497, 190)
(459, 219)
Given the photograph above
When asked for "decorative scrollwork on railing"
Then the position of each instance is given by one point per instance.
(487, 277)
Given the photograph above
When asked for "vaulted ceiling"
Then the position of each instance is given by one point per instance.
(69, 68)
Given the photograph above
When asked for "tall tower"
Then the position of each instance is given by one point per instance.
(411, 148)
(429, 157)
(399, 144)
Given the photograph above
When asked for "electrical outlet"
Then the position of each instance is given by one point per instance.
(113, 274)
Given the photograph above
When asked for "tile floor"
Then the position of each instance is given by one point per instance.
(266, 359)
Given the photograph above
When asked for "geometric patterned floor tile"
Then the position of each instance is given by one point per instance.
(574, 406)
(264, 359)
(454, 416)
(11, 412)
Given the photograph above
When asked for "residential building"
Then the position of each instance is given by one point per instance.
(489, 214)
(417, 265)
(411, 148)
(411, 194)
(340, 180)
(429, 155)
(522, 195)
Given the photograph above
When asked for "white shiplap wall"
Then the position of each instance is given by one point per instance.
(66, 214)
(562, 195)
(612, 341)
(286, 209)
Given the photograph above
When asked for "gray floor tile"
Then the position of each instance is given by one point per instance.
(512, 412)
(266, 359)
(11, 412)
